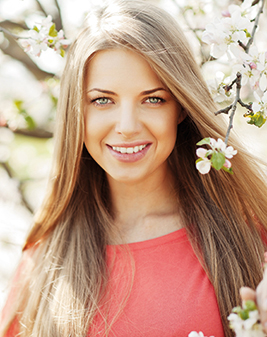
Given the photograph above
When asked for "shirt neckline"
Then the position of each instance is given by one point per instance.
(161, 240)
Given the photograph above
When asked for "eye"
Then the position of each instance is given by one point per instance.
(101, 101)
(154, 100)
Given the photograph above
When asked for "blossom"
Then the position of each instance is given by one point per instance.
(217, 87)
(245, 321)
(43, 37)
(203, 166)
(230, 29)
(197, 334)
(214, 157)
(261, 104)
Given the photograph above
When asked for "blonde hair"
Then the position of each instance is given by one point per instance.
(221, 213)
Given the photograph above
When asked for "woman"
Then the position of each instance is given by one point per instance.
(131, 240)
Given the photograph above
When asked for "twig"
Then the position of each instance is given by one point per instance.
(250, 41)
(244, 105)
(233, 108)
(23, 199)
(59, 22)
(230, 86)
(6, 31)
(237, 80)
(224, 111)
(41, 7)
(36, 133)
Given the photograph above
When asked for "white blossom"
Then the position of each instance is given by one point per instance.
(216, 157)
(197, 334)
(43, 37)
(248, 327)
(203, 166)
(261, 104)
(229, 152)
(229, 30)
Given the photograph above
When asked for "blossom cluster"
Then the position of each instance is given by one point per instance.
(234, 26)
(217, 156)
(245, 321)
(228, 38)
(43, 37)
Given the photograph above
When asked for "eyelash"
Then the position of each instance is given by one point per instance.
(160, 100)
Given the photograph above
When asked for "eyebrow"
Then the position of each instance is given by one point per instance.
(143, 93)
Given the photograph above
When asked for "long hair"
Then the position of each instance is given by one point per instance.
(225, 216)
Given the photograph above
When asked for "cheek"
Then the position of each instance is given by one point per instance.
(95, 127)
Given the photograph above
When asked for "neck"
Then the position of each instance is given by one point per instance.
(144, 210)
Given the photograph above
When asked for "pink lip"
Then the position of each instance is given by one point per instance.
(129, 157)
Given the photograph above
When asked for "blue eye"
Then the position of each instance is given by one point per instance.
(154, 100)
(101, 101)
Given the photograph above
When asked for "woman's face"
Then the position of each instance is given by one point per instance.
(130, 118)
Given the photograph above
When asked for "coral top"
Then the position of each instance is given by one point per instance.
(171, 294)
(161, 290)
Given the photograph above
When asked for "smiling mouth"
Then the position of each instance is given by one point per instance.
(129, 150)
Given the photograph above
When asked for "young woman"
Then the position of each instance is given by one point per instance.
(131, 240)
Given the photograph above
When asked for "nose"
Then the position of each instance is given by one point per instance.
(128, 124)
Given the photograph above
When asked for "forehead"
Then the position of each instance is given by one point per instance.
(117, 67)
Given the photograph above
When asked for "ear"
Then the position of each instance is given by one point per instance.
(181, 114)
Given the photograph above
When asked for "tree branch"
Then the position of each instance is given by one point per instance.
(23, 199)
(256, 22)
(237, 98)
(36, 133)
(58, 20)
(16, 52)
(41, 7)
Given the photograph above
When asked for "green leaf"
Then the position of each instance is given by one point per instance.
(257, 120)
(260, 121)
(205, 141)
(217, 160)
(36, 29)
(247, 33)
(250, 305)
(18, 104)
(30, 122)
(244, 314)
(62, 52)
(52, 31)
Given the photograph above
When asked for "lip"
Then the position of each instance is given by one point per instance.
(129, 157)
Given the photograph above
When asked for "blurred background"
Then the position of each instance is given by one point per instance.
(29, 89)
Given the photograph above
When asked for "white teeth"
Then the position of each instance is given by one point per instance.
(129, 149)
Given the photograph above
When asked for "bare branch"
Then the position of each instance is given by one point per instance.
(250, 41)
(58, 20)
(2, 29)
(237, 98)
(230, 86)
(244, 105)
(36, 133)
(23, 199)
(224, 111)
(41, 7)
